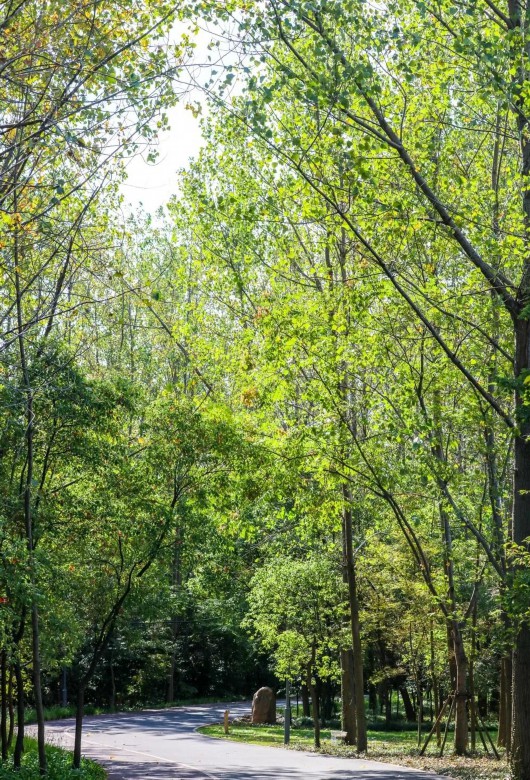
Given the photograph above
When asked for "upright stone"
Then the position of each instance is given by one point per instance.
(264, 706)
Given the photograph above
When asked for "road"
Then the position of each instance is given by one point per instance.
(164, 745)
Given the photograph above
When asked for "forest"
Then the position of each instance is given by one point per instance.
(279, 429)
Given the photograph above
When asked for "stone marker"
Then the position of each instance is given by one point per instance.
(264, 706)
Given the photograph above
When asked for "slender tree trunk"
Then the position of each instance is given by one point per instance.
(435, 687)
(472, 718)
(458, 662)
(349, 725)
(28, 516)
(304, 693)
(10, 709)
(503, 720)
(457, 641)
(520, 742)
(506, 676)
(171, 675)
(388, 703)
(3, 704)
(176, 581)
(410, 712)
(372, 699)
(349, 563)
(420, 708)
(79, 713)
(311, 684)
(37, 689)
(112, 683)
(437, 706)
(19, 744)
(461, 716)
(520, 753)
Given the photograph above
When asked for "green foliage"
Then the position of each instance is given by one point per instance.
(297, 611)
(59, 766)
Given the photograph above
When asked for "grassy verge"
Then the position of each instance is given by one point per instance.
(59, 766)
(395, 747)
(59, 713)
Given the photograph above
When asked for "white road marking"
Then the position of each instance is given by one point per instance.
(67, 733)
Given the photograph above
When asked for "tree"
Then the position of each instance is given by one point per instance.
(412, 162)
(294, 611)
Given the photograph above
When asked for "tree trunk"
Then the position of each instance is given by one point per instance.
(419, 708)
(10, 709)
(304, 693)
(472, 712)
(349, 563)
(472, 718)
(435, 687)
(348, 697)
(461, 716)
(3, 704)
(457, 653)
(314, 702)
(326, 698)
(79, 712)
(176, 581)
(37, 689)
(112, 683)
(171, 675)
(19, 744)
(28, 515)
(410, 713)
(505, 703)
(520, 752)
(503, 724)
(388, 703)
(372, 699)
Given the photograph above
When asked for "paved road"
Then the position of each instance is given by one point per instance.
(164, 745)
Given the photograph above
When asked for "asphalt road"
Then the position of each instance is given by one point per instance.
(164, 745)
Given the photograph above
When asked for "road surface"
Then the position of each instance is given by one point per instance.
(164, 745)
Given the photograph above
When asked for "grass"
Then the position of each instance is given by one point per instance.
(59, 712)
(263, 735)
(59, 766)
(303, 737)
(395, 747)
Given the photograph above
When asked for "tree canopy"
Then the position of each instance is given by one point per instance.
(278, 430)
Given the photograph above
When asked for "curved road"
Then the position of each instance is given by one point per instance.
(164, 745)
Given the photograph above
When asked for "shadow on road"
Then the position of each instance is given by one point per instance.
(119, 770)
(271, 773)
(123, 770)
(178, 722)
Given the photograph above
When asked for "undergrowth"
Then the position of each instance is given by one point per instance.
(59, 766)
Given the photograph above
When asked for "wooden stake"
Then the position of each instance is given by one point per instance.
(436, 724)
(453, 700)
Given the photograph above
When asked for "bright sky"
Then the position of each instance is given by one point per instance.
(152, 184)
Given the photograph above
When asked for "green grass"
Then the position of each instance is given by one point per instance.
(59, 766)
(59, 713)
(273, 735)
(396, 747)
(381, 743)
(263, 735)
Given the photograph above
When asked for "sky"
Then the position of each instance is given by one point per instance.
(150, 185)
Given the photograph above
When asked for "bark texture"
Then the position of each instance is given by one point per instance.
(349, 721)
